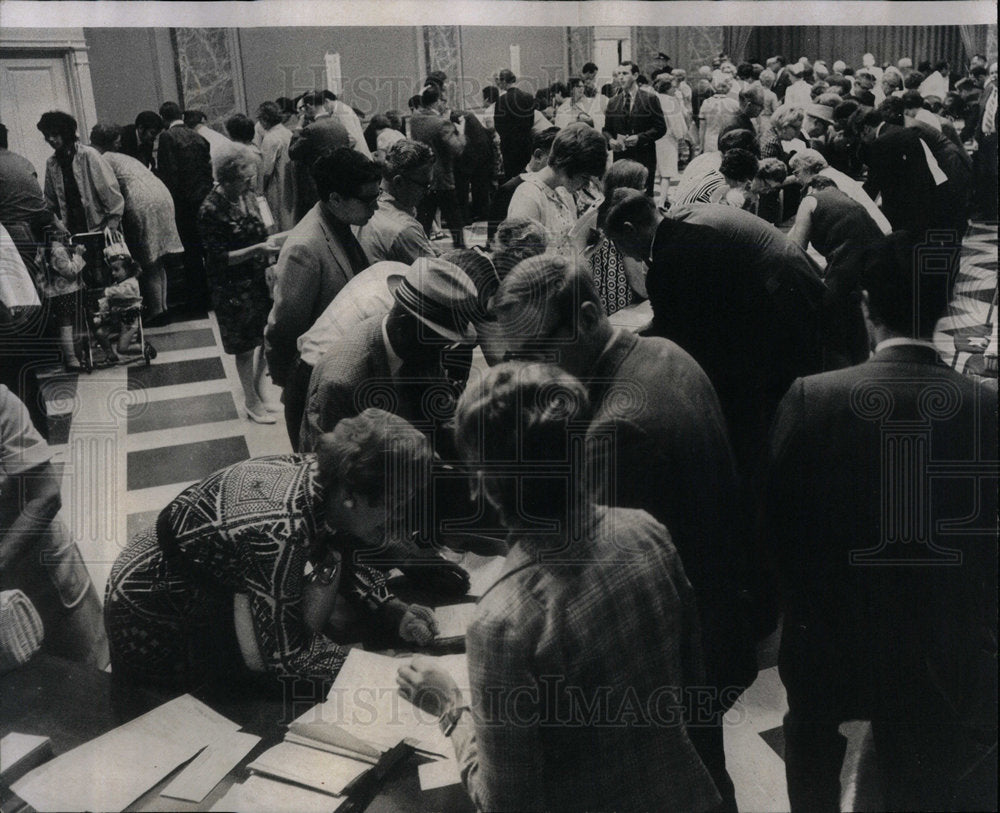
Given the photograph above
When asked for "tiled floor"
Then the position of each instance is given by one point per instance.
(131, 438)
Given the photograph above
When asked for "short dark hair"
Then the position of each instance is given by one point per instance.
(912, 99)
(822, 182)
(170, 111)
(55, 122)
(438, 78)
(490, 94)
(240, 128)
(314, 98)
(634, 68)
(892, 109)
(902, 295)
(738, 165)
(104, 135)
(269, 114)
(629, 205)
(772, 169)
(574, 82)
(192, 118)
(285, 105)
(149, 120)
(739, 139)
(344, 171)
(913, 80)
(589, 67)
(506, 75)
(558, 87)
(979, 70)
(579, 149)
(413, 102)
(543, 140)
(431, 94)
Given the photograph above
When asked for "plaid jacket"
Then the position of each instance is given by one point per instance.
(577, 662)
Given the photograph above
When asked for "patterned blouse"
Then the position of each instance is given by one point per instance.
(251, 528)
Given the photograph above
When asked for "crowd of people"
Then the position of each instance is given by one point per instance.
(663, 497)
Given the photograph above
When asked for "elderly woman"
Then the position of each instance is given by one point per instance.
(579, 153)
(236, 253)
(808, 164)
(80, 187)
(148, 219)
(221, 586)
(715, 111)
(786, 124)
(541, 640)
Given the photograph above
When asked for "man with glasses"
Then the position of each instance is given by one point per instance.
(320, 255)
(394, 233)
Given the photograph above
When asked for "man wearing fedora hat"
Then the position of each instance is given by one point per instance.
(414, 361)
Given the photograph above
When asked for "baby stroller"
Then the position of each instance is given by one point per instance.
(112, 303)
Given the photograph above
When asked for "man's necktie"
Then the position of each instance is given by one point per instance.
(628, 102)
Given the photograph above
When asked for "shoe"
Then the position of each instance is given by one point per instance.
(260, 417)
(72, 366)
(272, 407)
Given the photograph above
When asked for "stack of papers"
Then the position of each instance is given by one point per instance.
(365, 702)
(140, 754)
(319, 770)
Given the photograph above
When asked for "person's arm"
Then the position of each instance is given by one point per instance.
(454, 140)
(295, 290)
(329, 398)
(657, 124)
(106, 189)
(300, 147)
(51, 196)
(803, 223)
(410, 244)
(37, 492)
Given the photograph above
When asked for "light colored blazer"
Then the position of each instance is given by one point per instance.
(312, 268)
(102, 199)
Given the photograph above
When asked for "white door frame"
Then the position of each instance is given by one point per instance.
(70, 44)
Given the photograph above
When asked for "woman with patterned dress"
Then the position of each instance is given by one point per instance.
(578, 154)
(218, 587)
(618, 279)
(148, 222)
(236, 253)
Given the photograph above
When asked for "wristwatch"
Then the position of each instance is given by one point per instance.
(450, 719)
(324, 575)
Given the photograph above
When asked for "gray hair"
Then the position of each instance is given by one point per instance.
(809, 160)
(786, 116)
(228, 163)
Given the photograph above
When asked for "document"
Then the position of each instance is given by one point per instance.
(262, 795)
(210, 767)
(438, 774)
(483, 572)
(453, 620)
(320, 770)
(142, 752)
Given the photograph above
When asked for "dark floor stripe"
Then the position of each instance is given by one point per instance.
(211, 408)
(181, 340)
(177, 372)
(187, 461)
(140, 521)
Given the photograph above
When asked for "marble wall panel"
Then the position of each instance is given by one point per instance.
(443, 52)
(207, 72)
(581, 47)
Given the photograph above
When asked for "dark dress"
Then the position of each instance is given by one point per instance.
(239, 292)
(247, 529)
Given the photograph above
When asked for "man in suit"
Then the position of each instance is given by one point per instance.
(416, 358)
(138, 141)
(887, 561)
(513, 117)
(324, 133)
(902, 171)
(184, 164)
(985, 170)
(634, 121)
(547, 307)
(751, 105)
(320, 255)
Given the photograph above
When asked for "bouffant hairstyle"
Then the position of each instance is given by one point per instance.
(579, 149)
(55, 122)
(374, 454)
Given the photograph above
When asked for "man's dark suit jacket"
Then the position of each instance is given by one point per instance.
(745, 302)
(953, 197)
(880, 462)
(897, 168)
(185, 165)
(515, 113)
(645, 120)
(737, 121)
(130, 145)
(666, 452)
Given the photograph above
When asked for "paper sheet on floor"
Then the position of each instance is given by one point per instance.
(438, 774)
(258, 794)
(365, 701)
(210, 767)
(142, 752)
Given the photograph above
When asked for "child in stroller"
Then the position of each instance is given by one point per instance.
(119, 306)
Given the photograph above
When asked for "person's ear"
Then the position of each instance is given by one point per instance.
(589, 316)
